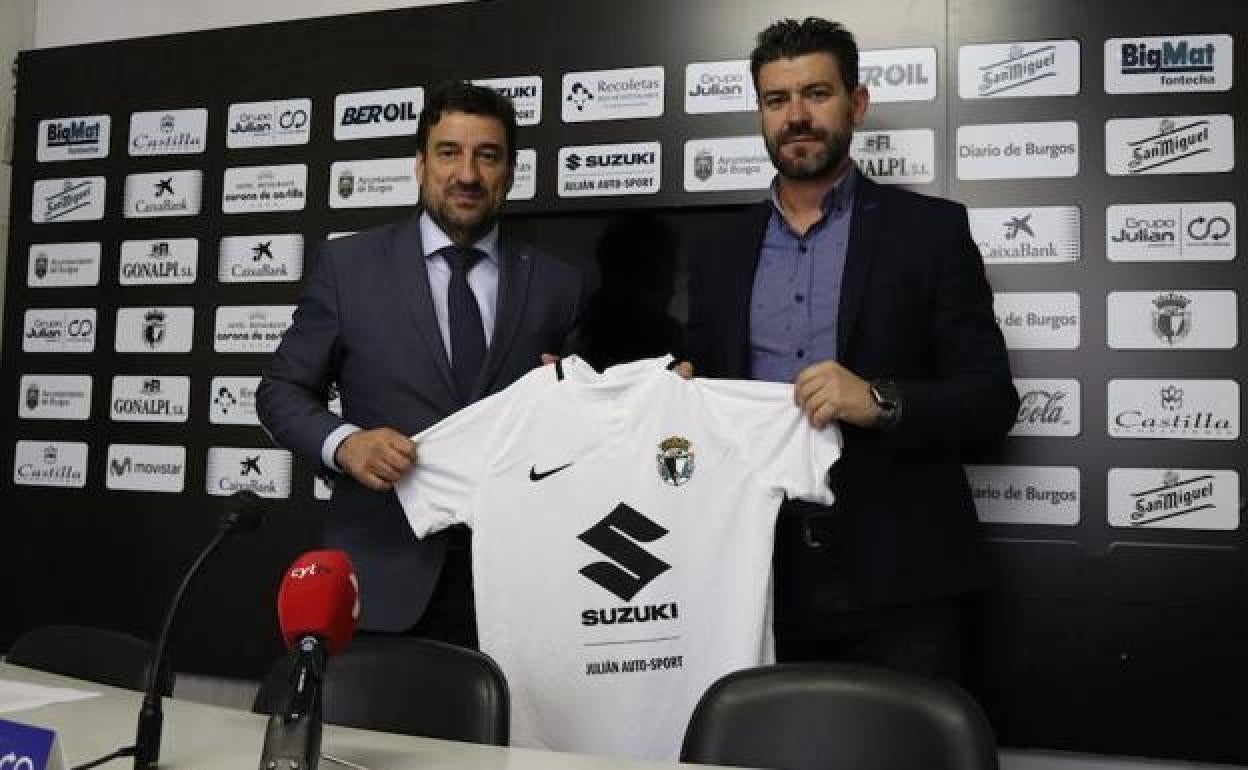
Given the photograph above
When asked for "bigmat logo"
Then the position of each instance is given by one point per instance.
(63, 264)
(59, 330)
(75, 199)
(1173, 320)
(1202, 410)
(636, 92)
(355, 184)
(269, 124)
(1178, 144)
(1027, 235)
(168, 132)
(155, 329)
(525, 93)
(50, 464)
(260, 258)
(265, 472)
(1047, 408)
(1172, 498)
(146, 467)
(906, 156)
(1046, 68)
(1038, 320)
(610, 169)
(1148, 65)
(1170, 232)
(150, 398)
(1018, 150)
(719, 86)
(233, 401)
(524, 179)
(54, 397)
(899, 74)
(253, 189)
(164, 194)
(73, 138)
(371, 114)
(1025, 494)
(251, 328)
(162, 261)
(732, 163)
(629, 567)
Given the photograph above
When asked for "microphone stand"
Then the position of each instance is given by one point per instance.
(292, 740)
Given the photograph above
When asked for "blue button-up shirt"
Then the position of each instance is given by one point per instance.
(797, 288)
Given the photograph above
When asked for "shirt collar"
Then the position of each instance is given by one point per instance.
(434, 240)
(835, 201)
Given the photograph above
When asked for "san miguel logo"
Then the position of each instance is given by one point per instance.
(1176, 496)
(1022, 66)
(1173, 142)
(1172, 319)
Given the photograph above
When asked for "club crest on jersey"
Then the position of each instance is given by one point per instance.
(675, 460)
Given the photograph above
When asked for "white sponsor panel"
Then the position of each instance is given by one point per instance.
(1024, 235)
(1173, 498)
(898, 74)
(1173, 320)
(74, 199)
(50, 464)
(732, 163)
(54, 397)
(164, 194)
(251, 328)
(336, 236)
(266, 472)
(1018, 150)
(1174, 409)
(59, 330)
(1172, 144)
(636, 92)
(525, 93)
(1039, 320)
(905, 156)
(260, 258)
(610, 169)
(146, 467)
(321, 490)
(154, 329)
(1001, 70)
(63, 264)
(1174, 63)
(269, 124)
(233, 401)
(150, 398)
(168, 132)
(254, 189)
(719, 86)
(524, 180)
(158, 261)
(371, 114)
(1170, 232)
(355, 184)
(77, 138)
(1025, 494)
(1048, 407)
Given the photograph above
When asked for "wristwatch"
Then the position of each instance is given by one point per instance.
(884, 393)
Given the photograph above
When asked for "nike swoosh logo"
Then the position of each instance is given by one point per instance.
(535, 476)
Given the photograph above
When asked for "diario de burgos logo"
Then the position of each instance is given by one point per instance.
(269, 124)
(636, 92)
(1025, 235)
(1174, 498)
(266, 472)
(253, 189)
(63, 264)
(372, 183)
(154, 329)
(1046, 68)
(732, 163)
(163, 194)
(251, 328)
(146, 467)
(73, 138)
(158, 262)
(905, 156)
(610, 169)
(371, 114)
(168, 132)
(256, 258)
(150, 398)
(719, 86)
(50, 464)
(1038, 320)
(1173, 320)
(1168, 64)
(525, 93)
(1170, 232)
(898, 74)
(1025, 494)
(59, 330)
(1179, 144)
(1047, 408)
(1177, 409)
(628, 567)
(54, 397)
(233, 401)
(1018, 150)
(75, 199)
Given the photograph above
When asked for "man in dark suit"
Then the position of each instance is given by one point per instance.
(413, 321)
(873, 301)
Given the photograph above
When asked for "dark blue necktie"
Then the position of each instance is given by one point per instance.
(464, 319)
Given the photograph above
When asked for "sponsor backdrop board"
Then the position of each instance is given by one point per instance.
(160, 236)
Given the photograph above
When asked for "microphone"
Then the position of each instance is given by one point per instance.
(317, 608)
(242, 515)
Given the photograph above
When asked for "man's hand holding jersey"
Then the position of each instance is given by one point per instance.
(376, 458)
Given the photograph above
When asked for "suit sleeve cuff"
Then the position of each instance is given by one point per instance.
(330, 447)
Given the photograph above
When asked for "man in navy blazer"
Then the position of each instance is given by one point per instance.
(873, 301)
(412, 321)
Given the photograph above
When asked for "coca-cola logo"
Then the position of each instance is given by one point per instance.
(1041, 407)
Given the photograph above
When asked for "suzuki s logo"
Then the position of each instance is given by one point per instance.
(631, 567)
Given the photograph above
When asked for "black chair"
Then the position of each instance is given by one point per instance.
(95, 654)
(808, 716)
(407, 685)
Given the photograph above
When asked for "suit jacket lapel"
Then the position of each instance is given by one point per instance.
(515, 268)
(860, 258)
(407, 260)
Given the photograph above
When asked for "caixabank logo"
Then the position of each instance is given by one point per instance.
(1178, 319)
(74, 199)
(1171, 232)
(1195, 410)
(1175, 144)
(260, 258)
(63, 264)
(75, 138)
(1027, 234)
(146, 468)
(1174, 498)
(266, 472)
(158, 262)
(1002, 70)
(1170, 64)
(163, 194)
(168, 132)
(50, 464)
(1025, 494)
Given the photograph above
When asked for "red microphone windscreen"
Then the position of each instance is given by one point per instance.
(320, 596)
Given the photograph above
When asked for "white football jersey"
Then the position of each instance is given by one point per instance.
(622, 537)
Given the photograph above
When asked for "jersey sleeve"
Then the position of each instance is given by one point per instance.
(774, 437)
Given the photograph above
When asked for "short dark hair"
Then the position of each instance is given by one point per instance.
(458, 96)
(790, 38)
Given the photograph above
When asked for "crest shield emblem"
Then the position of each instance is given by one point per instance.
(675, 460)
(32, 396)
(154, 328)
(346, 183)
(1172, 320)
(41, 266)
(703, 165)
